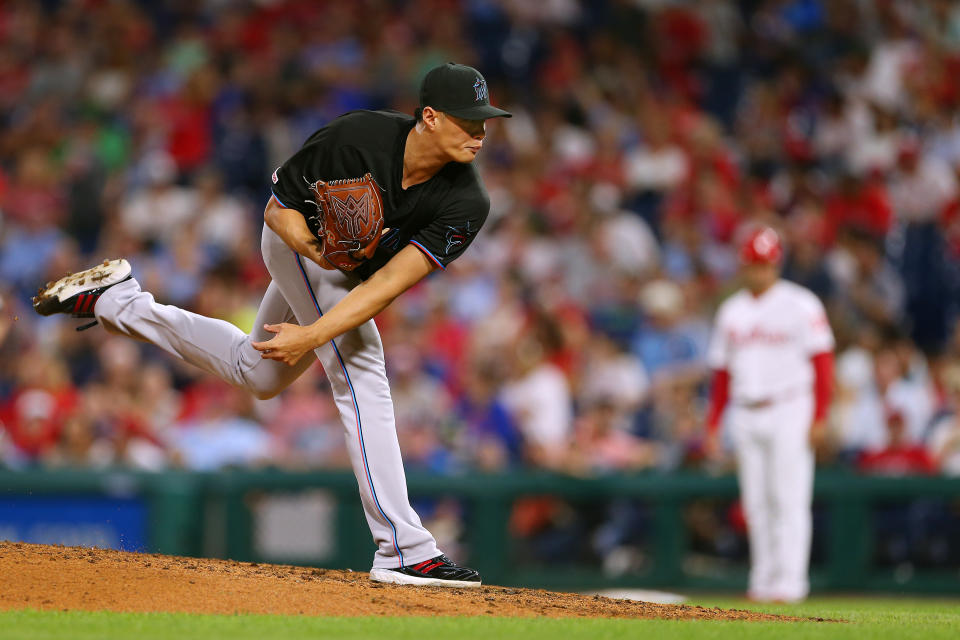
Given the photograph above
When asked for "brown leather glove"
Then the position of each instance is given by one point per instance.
(349, 220)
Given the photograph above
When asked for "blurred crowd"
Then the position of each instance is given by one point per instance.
(571, 336)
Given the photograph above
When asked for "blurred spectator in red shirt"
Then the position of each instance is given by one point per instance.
(35, 197)
(950, 221)
(858, 201)
(33, 416)
(900, 456)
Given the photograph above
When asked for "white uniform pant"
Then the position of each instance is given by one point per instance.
(775, 471)
(299, 291)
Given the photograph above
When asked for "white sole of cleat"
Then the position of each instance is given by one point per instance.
(103, 275)
(393, 577)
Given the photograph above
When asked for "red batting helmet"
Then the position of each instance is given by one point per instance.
(761, 246)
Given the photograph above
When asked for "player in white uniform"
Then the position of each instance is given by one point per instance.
(772, 357)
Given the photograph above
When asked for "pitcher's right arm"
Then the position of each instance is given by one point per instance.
(291, 226)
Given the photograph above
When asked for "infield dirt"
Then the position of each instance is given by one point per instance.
(76, 578)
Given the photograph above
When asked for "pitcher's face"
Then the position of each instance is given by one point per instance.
(460, 139)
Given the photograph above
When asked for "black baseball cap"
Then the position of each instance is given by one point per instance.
(460, 91)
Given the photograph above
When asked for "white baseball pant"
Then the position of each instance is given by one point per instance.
(354, 364)
(775, 471)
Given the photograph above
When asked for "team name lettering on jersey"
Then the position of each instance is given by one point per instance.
(758, 335)
(821, 323)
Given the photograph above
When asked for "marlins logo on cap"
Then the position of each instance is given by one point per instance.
(480, 86)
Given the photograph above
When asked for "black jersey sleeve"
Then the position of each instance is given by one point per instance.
(290, 183)
(289, 194)
(445, 238)
(324, 156)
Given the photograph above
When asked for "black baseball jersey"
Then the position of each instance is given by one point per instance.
(440, 216)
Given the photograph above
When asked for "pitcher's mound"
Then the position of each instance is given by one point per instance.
(58, 578)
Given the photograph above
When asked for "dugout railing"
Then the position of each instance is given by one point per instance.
(273, 516)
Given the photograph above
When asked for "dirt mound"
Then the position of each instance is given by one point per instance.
(55, 577)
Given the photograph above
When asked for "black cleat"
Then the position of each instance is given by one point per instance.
(77, 293)
(436, 572)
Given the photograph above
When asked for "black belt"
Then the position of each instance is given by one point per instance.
(757, 404)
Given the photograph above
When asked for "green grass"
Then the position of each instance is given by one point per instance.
(868, 618)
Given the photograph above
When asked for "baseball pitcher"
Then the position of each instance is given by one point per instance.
(370, 205)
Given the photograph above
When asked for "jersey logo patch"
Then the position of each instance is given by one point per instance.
(456, 236)
(274, 177)
(390, 238)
